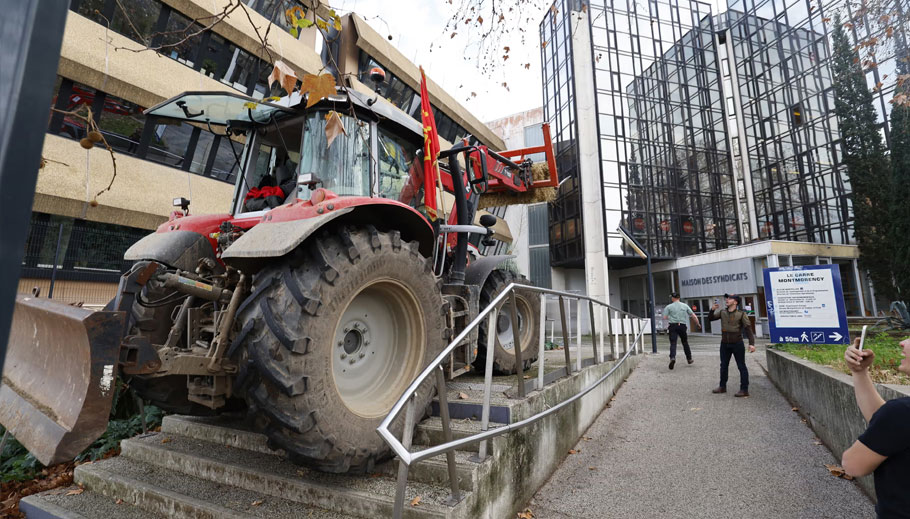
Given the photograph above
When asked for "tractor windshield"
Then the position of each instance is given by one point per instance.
(342, 166)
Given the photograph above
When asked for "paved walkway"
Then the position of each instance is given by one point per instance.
(668, 447)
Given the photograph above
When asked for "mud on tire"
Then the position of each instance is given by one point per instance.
(528, 317)
(331, 339)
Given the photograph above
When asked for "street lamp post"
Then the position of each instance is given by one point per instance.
(637, 247)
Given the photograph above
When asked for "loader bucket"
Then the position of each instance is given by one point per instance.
(59, 376)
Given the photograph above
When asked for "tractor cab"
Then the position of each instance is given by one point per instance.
(348, 144)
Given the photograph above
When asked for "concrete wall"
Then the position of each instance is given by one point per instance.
(825, 397)
(142, 193)
(525, 460)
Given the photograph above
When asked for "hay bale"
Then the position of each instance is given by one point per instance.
(539, 171)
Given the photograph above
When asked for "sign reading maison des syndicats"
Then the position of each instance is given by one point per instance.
(714, 279)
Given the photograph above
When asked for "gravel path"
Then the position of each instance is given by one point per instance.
(668, 447)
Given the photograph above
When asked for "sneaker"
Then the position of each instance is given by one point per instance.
(672, 363)
(719, 390)
(690, 360)
(742, 392)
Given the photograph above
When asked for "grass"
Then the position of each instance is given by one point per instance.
(884, 368)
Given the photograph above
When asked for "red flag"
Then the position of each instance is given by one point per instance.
(430, 148)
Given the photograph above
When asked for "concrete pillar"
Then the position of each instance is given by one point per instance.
(592, 209)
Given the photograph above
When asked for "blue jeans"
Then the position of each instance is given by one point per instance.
(738, 351)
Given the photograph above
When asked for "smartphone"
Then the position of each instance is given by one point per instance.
(862, 337)
(716, 301)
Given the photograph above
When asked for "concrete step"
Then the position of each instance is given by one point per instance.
(176, 495)
(429, 432)
(56, 504)
(271, 475)
(434, 471)
(218, 429)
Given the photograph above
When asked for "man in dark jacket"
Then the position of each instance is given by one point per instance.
(733, 323)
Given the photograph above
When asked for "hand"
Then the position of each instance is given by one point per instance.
(715, 306)
(751, 348)
(858, 361)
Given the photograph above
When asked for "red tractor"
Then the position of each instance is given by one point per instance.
(312, 304)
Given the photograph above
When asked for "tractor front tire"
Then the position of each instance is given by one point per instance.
(504, 362)
(332, 338)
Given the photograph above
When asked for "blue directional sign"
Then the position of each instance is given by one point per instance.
(806, 305)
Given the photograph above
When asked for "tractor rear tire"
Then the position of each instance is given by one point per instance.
(504, 362)
(332, 339)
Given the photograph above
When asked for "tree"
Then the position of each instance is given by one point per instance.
(866, 162)
(900, 172)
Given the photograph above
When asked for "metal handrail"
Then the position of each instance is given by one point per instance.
(402, 447)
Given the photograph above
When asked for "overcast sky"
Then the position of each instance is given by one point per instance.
(416, 25)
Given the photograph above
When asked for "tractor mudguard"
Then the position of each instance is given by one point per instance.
(479, 270)
(59, 376)
(273, 240)
(177, 249)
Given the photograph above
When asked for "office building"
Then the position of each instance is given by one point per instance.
(121, 56)
(715, 142)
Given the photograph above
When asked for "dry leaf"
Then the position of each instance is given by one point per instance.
(165, 440)
(695, 409)
(118, 502)
(333, 127)
(75, 491)
(586, 438)
(795, 409)
(527, 514)
(837, 470)
(816, 442)
(284, 75)
(574, 451)
(462, 396)
(256, 502)
(317, 87)
(479, 20)
(592, 468)
(415, 501)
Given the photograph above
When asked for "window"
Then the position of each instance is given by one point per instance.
(797, 116)
(400, 175)
(343, 167)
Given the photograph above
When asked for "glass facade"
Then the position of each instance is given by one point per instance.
(556, 57)
(671, 166)
(714, 130)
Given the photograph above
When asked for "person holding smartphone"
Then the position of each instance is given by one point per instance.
(884, 448)
(678, 315)
(734, 322)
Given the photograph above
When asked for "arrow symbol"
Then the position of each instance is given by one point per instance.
(836, 336)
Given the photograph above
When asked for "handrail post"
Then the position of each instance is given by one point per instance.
(625, 332)
(578, 334)
(447, 433)
(487, 383)
(614, 338)
(406, 438)
(597, 358)
(516, 345)
(543, 334)
(565, 334)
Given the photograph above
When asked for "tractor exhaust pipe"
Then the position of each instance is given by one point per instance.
(461, 211)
